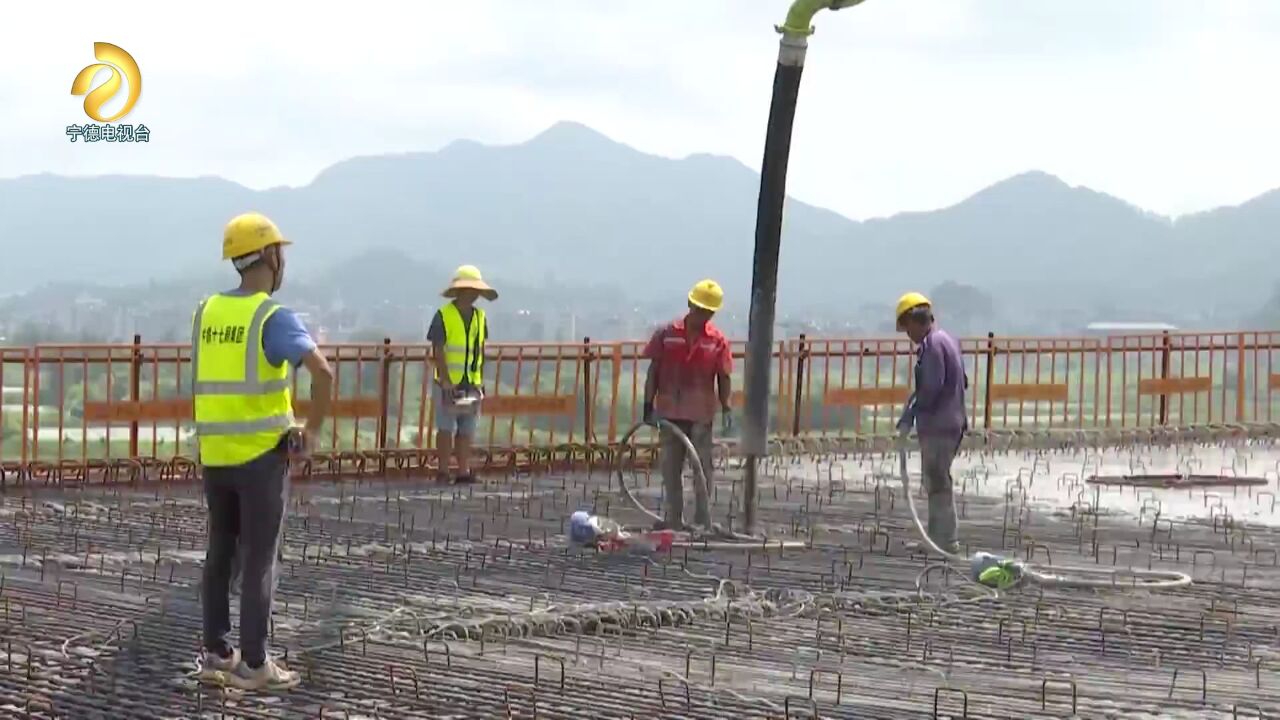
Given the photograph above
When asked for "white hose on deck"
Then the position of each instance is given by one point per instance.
(1154, 579)
(729, 540)
(699, 477)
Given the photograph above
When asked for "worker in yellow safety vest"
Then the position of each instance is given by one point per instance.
(242, 344)
(457, 335)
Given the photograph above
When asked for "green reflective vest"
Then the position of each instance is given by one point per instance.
(242, 402)
(463, 346)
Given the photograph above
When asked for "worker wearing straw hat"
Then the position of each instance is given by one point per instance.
(457, 335)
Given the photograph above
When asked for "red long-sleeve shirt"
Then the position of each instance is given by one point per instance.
(687, 370)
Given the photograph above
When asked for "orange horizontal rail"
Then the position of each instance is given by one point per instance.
(1174, 386)
(138, 411)
(343, 407)
(559, 405)
(1029, 392)
(858, 397)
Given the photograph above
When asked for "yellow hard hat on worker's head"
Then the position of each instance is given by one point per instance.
(248, 233)
(907, 303)
(707, 295)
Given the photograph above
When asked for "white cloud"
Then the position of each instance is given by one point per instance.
(906, 104)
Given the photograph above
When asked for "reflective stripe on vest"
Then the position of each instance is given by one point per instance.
(463, 345)
(242, 427)
(242, 402)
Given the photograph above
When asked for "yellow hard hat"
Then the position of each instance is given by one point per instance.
(249, 233)
(707, 295)
(909, 302)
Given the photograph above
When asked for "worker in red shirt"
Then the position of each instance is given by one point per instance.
(689, 365)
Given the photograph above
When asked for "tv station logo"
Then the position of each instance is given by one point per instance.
(124, 72)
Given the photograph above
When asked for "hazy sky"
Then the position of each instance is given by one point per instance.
(906, 104)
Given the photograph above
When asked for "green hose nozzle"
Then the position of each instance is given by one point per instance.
(802, 12)
(995, 571)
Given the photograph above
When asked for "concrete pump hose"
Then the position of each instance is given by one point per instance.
(1061, 576)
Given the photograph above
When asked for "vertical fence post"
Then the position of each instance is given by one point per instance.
(779, 415)
(1107, 355)
(35, 403)
(384, 404)
(990, 379)
(801, 355)
(587, 397)
(616, 369)
(1165, 362)
(28, 400)
(1240, 362)
(135, 392)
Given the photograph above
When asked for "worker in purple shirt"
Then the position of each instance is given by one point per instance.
(936, 409)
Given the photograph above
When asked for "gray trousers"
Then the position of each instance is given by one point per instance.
(673, 455)
(936, 455)
(246, 514)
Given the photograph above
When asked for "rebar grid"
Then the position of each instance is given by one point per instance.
(401, 600)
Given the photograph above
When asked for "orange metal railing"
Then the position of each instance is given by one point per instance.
(72, 410)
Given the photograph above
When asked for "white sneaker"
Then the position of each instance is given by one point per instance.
(212, 661)
(271, 676)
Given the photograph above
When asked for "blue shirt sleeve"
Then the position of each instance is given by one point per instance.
(435, 333)
(285, 338)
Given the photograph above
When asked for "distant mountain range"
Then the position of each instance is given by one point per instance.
(571, 208)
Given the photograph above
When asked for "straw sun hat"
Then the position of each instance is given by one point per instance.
(468, 277)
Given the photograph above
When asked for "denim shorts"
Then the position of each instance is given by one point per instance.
(448, 420)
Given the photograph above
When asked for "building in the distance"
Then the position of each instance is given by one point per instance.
(1128, 328)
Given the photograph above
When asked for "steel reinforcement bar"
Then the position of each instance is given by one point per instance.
(399, 600)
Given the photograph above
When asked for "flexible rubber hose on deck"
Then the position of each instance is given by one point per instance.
(699, 477)
(1155, 579)
(729, 540)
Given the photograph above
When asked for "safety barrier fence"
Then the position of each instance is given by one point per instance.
(125, 410)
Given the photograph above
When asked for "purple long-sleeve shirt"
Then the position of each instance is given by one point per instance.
(937, 405)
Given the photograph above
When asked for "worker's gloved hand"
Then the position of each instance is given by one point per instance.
(726, 421)
(648, 413)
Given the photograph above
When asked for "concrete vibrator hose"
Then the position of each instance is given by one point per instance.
(728, 540)
(699, 477)
(1064, 576)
